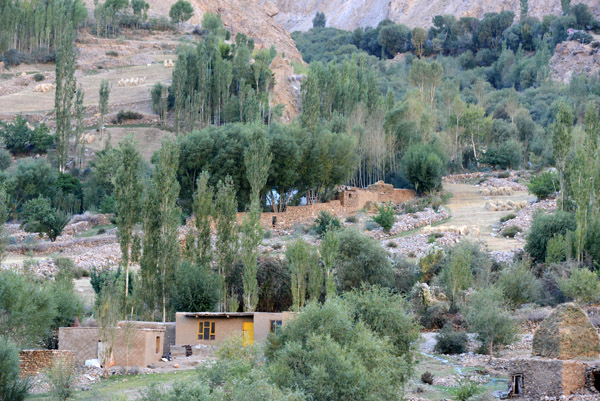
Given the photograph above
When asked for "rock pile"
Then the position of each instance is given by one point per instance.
(417, 246)
(524, 217)
(411, 221)
(512, 184)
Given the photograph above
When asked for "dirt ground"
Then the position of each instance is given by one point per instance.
(149, 139)
(468, 209)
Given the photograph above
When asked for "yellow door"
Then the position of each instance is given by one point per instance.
(248, 332)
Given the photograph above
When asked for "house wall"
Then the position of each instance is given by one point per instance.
(187, 329)
(548, 377)
(169, 331)
(262, 323)
(139, 349)
(32, 362)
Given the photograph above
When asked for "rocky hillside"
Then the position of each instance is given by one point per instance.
(348, 14)
(572, 58)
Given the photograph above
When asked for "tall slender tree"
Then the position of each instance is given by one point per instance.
(329, 250)
(203, 209)
(562, 132)
(103, 93)
(258, 161)
(161, 219)
(128, 197)
(79, 115)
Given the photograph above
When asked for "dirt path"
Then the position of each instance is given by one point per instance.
(468, 209)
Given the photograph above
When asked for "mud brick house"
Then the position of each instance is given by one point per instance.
(564, 358)
(211, 328)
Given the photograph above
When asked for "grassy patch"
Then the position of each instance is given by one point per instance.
(124, 387)
(94, 231)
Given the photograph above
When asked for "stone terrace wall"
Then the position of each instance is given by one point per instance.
(548, 377)
(33, 362)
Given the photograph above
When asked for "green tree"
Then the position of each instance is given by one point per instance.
(4, 215)
(561, 143)
(582, 286)
(258, 162)
(298, 257)
(524, 9)
(419, 36)
(65, 89)
(227, 242)
(78, 148)
(519, 284)
(40, 217)
(320, 20)
(487, 316)
(457, 275)
(203, 208)
(160, 255)
(423, 168)
(330, 245)
(12, 386)
(103, 93)
(181, 11)
(20, 139)
(197, 288)
(543, 228)
(128, 197)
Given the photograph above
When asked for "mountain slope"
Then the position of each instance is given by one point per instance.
(348, 14)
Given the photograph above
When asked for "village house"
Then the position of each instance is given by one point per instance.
(211, 328)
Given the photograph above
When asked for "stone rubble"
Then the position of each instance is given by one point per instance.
(524, 217)
(410, 221)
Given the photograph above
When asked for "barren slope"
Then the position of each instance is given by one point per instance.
(349, 14)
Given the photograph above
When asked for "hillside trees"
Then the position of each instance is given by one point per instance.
(181, 11)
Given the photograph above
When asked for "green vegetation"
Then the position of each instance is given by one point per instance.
(386, 216)
(12, 387)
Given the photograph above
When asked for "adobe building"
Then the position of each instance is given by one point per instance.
(145, 345)
(211, 328)
(564, 358)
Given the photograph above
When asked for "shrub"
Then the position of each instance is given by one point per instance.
(511, 231)
(326, 222)
(371, 225)
(12, 387)
(519, 285)
(386, 216)
(450, 342)
(37, 77)
(557, 249)
(197, 288)
(127, 115)
(509, 216)
(61, 378)
(507, 155)
(427, 378)
(66, 301)
(486, 315)
(544, 185)
(5, 159)
(423, 168)
(543, 228)
(112, 53)
(582, 286)
(362, 260)
(39, 217)
(466, 389)
(352, 219)
(19, 139)
(406, 275)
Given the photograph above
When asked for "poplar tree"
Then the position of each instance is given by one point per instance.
(227, 241)
(258, 161)
(128, 197)
(65, 87)
(561, 143)
(161, 219)
(298, 257)
(329, 250)
(203, 209)
(315, 274)
(79, 115)
(104, 93)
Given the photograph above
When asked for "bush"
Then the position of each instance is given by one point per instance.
(127, 115)
(326, 222)
(511, 231)
(5, 159)
(450, 342)
(61, 378)
(112, 53)
(19, 139)
(557, 249)
(197, 288)
(582, 286)
(543, 228)
(37, 77)
(406, 275)
(66, 301)
(427, 378)
(362, 260)
(352, 219)
(466, 389)
(39, 217)
(509, 216)
(12, 387)
(386, 216)
(329, 355)
(544, 185)
(519, 285)
(423, 168)
(507, 155)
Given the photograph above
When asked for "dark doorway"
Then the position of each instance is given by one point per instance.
(597, 380)
(517, 385)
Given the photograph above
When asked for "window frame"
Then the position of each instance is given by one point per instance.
(202, 326)
(275, 325)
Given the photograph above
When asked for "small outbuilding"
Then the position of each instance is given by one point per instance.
(564, 358)
(211, 328)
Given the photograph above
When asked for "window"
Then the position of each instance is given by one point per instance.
(275, 325)
(206, 330)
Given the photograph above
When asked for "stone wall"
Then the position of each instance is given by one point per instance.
(548, 377)
(33, 362)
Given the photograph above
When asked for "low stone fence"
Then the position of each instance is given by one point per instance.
(33, 362)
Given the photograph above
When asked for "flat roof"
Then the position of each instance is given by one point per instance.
(218, 314)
